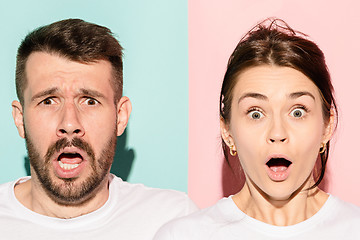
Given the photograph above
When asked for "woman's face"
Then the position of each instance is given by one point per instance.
(277, 128)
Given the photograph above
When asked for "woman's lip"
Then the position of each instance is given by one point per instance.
(276, 155)
(278, 173)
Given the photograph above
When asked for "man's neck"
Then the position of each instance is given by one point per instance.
(33, 196)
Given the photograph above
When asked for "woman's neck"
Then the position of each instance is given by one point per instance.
(297, 208)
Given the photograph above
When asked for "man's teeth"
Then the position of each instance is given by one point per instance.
(67, 166)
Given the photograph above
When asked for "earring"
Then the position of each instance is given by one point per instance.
(232, 151)
(323, 148)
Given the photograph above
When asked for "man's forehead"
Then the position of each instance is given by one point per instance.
(42, 63)
(38, 57)
(45, 70)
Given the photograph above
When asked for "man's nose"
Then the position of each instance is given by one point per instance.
(70, 123)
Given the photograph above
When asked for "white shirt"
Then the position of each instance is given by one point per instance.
(335, 220)
(132, 211)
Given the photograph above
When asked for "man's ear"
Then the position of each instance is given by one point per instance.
(225, 134)
(329, 128)
(18, 115)
(123, 114)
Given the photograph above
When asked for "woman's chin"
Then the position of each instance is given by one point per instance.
(281, 193)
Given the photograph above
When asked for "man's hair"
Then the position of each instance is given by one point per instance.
(75, 40)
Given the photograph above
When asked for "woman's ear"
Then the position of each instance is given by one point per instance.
(329, 128)
(226, 135)
(18, 115)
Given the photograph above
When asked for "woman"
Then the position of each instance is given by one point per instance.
(277, 114)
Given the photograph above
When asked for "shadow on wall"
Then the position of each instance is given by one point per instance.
(233, 177)
(123, 159)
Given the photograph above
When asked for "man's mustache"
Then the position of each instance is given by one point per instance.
(64, 142)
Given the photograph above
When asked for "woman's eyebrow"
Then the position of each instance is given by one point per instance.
(300, 94)
(253, 95)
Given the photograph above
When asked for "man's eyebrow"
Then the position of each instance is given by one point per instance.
(91, 92)
(45, 93)
(253, 95)
(300, 94)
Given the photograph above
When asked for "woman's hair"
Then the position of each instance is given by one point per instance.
(273, 42)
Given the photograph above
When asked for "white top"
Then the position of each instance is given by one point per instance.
(132, 211)
(335, 220)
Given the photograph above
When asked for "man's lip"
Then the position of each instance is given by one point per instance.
(70, 150)
(68, 170)
(69, 162)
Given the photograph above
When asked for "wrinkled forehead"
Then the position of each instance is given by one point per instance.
(44, 70)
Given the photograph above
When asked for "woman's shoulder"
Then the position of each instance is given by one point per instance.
(224, 211)
(338, 216)
(343, 209)
(202, 223)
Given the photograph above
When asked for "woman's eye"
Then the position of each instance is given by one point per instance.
(256, 115)
(297, 113)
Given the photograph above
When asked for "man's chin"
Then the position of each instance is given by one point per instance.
(72, 191)
(74, 185)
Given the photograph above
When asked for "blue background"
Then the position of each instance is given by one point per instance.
(154, 36)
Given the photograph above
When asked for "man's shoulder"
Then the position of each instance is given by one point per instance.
(7, 189)
(4, 187)
(5, 193)
(139, 189)
(155, 198)
(130, 207)
(8, 202)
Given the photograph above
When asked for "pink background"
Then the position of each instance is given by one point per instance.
(215, 27)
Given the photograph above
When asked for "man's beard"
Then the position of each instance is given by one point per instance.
(69, 191)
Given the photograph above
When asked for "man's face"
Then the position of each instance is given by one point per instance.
(70, 124)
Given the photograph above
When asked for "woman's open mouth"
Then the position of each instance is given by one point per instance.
(278, 168)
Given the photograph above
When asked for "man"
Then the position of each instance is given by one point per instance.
(70, 112)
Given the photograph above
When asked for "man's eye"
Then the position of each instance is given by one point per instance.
(91, 101)
(297, 113)
(255, 114)
(48, 101)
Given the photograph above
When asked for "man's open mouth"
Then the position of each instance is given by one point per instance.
(69, 160)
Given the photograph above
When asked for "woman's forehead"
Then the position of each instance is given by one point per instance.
(272, 81)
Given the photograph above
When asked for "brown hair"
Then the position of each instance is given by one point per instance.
(76, 40)
(273, 42)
